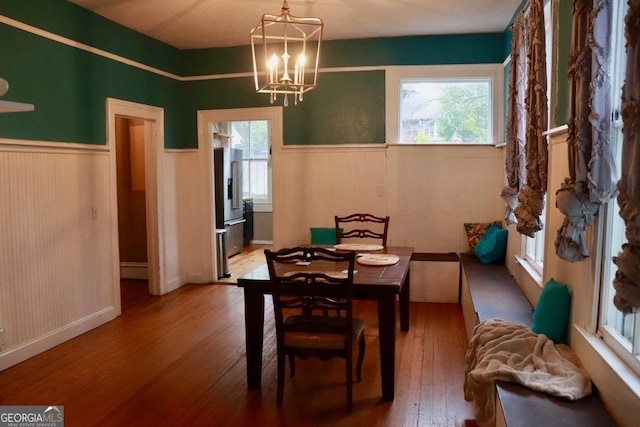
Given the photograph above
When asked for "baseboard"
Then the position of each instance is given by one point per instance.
(134, 270)
(262, 242)
(56, 337)
(176, 283)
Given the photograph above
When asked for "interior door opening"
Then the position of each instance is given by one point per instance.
(242, 186)
(217, 128)
(132, 212)
(147, 173)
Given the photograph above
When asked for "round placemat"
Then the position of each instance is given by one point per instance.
(358, 247)
(378, 259)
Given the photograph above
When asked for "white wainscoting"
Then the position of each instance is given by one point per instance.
(184, 213)
(428, 191)
(435, 281)
(56, 263)
(434, 190)
(313, 184)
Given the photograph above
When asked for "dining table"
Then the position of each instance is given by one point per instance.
(385, 284)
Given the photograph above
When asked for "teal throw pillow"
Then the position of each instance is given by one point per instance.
(551, 315)
(492, 246)
(323, 236)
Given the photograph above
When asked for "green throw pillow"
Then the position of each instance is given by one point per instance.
(492, 245)
(551, 314)
(323, 236)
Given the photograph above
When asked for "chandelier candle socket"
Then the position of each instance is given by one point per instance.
(274, 42)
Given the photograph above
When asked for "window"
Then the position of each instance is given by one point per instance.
(445, 111)
(253, 138)
(533, 247)
(458, 104)
(620, 332)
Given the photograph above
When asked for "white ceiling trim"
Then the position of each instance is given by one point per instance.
(75, 44)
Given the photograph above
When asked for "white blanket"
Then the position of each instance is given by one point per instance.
(506, 351)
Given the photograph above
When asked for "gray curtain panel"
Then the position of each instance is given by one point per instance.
(531, 197)
(515, 164)
(592, 169)
(627, 280)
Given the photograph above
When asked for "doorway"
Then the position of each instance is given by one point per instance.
(132, 212)
(135, 139)
(216, 129)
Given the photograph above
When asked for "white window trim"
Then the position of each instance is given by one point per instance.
(393, 76)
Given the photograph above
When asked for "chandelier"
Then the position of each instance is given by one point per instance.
(286, 51)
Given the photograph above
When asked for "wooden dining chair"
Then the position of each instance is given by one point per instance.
(302, 294)
(366, 226)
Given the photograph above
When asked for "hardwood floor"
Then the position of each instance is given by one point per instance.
(251, 257)
(178, 360)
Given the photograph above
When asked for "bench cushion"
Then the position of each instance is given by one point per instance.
(494, 292)
(524, 407)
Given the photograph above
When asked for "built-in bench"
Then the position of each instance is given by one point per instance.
(488, 291)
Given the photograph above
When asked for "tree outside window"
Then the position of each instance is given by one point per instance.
(446, 111)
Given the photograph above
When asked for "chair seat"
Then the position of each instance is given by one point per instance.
(315, 331)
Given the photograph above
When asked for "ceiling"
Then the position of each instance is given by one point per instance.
(194, 24)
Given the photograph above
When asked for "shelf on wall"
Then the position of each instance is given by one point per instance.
(15, 107)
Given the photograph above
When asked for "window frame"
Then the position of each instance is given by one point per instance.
(533, 248)
(626, 349)
(247, 160)
(395, 75)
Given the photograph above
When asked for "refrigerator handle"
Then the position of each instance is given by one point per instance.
(235, 190)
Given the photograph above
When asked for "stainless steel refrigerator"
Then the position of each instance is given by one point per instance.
(227, 163)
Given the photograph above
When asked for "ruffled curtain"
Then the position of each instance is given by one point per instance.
(627, 280)
(515, 165)
(531, 197)
(592, 172)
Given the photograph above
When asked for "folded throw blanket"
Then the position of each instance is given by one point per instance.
(507, 351)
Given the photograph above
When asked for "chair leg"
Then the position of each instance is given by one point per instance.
(292, 365)
(280, 392)
(361, 351)
(349, 383)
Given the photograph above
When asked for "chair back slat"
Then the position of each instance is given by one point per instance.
(362, 226)
(307, 284)
(324, 282)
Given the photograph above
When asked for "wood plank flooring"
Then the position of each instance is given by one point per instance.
(178, 360)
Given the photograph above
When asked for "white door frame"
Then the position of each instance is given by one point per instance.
(205, 119)
(153, 147)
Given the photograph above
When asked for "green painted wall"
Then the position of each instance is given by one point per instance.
(68, 86)
(332, 115)
(76, 23)
(417, 50)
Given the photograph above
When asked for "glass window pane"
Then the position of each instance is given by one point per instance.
(621, 332)
(259, 139)
(253, 138)
(445, 111)
(259, 179)
(241, 136)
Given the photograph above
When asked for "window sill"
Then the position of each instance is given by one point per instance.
(623, 372)
(529, 269)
